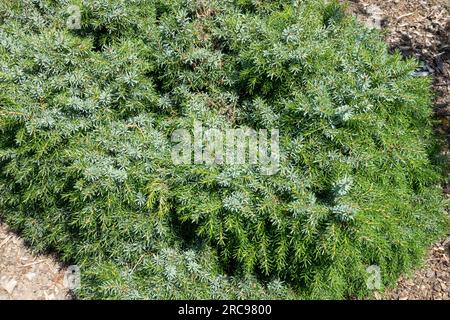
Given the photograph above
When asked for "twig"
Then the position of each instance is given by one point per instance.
(137, 263)
(11, 113)
(405, 15)
(5, 241)
(31, 264)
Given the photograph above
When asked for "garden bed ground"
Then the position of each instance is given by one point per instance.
(416, 27)
(24, 275)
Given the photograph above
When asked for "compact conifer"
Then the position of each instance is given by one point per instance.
(86, 117)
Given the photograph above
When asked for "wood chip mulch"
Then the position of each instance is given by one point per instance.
(28, 276)
(429, 283)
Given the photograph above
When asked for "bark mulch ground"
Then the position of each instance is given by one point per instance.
(28, 276)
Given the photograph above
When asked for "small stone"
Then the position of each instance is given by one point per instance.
(30, 276)
(10, 285)
(430, 274)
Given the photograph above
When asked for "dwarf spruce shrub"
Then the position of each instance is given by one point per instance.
(87, 114)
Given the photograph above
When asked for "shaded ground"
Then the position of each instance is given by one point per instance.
(26, 276)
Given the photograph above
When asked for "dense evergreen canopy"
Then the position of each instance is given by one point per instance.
(86, 117)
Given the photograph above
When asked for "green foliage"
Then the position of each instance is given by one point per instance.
(85, 168)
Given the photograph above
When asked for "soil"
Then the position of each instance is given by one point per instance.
(431, 282)
(28, 276)
(419, 28)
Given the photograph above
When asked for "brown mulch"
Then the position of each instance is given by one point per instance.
(420, 28)
(429, 283)
(28, 276)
